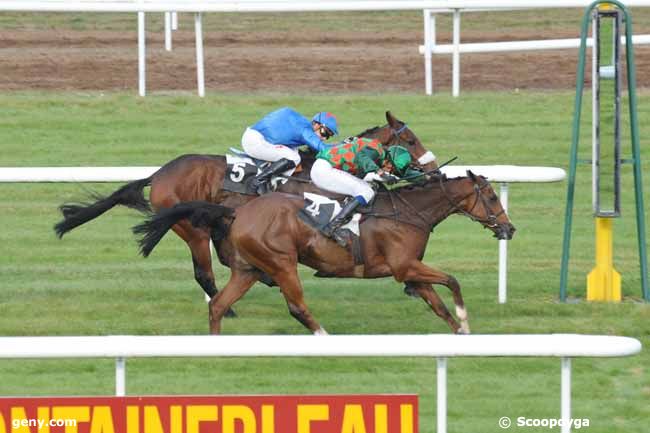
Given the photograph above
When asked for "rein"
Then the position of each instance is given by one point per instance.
(395, 215)
(427, 224)
(490, 221)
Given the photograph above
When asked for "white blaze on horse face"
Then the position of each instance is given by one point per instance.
(320, 331)
(426, 158)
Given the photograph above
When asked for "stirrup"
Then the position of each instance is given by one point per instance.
(261, 187)
(332, 226)
(336, 236)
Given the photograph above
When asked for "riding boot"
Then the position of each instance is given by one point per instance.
(261, 182)
(340, 219)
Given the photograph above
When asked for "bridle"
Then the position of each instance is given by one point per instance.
(396, 135)
(396, 132)
(428, 220)
(491, 220)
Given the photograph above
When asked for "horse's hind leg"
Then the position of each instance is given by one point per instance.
(432, 298)
(239, 283)
(291, 288)
(198, 240)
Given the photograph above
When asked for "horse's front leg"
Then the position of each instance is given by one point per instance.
(429, 295)
(414, 271)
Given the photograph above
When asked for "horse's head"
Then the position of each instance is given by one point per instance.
(481, 204)
(397, 133)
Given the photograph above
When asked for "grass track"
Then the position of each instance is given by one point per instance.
(92, 282)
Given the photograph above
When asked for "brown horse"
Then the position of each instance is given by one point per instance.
(200, 177)
(267, 236)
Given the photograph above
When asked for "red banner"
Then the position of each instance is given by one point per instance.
(211, 414)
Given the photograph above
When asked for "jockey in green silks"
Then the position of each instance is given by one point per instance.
(349, 167)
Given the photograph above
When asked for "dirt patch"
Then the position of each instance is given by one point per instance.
(342, 61)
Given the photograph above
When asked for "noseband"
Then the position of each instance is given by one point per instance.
(491, 220)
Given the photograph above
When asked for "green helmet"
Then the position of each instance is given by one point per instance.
(400, 157)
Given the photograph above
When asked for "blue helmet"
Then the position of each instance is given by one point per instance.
(328, 119)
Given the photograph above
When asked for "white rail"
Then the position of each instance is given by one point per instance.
(545, 44)
(431, 346)
(503, 174)
(287, 5)
(430, 47)
(429, 7)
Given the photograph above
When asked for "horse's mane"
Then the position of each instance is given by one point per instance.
(368, 131)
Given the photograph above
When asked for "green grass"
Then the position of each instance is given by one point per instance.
(503, 22)
(93, 282)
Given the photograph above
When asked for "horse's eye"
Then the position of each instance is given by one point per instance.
(494, 198)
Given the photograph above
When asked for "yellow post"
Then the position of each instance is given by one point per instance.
(603, 282)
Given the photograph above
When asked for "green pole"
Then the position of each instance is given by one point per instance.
(634, 130)
(573, 161)
(636, 154)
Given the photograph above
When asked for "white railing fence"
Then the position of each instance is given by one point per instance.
(440, 347)
(430, 47)
(429, 7)
(502, 174)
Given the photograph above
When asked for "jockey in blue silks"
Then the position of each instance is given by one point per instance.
(277, 136)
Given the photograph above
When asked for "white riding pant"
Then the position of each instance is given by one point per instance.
(256, 146)
(331, 179)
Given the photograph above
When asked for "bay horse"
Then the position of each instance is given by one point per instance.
(200, 177)
(266, 236)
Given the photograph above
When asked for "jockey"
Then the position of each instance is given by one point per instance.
(349, 167)
(276, 137)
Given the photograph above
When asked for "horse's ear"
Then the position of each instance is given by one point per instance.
(471, 175)
(392, 120)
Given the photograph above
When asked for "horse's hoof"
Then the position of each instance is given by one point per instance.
(410, 291)
(461, 331)
(230, 314)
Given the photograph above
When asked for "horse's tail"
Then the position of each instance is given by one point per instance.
(76, 214)
(199, 213)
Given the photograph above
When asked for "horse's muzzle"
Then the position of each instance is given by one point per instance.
(504, 231)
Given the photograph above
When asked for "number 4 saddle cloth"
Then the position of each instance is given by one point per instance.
(320, 210)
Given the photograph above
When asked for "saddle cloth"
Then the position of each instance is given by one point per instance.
(241, 169)
(320, 210)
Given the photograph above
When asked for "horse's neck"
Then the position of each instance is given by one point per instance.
(378, 132)
(434, 202)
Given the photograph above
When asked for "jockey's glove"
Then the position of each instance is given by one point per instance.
(383, 178)
(373, 177)
(389, 178)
